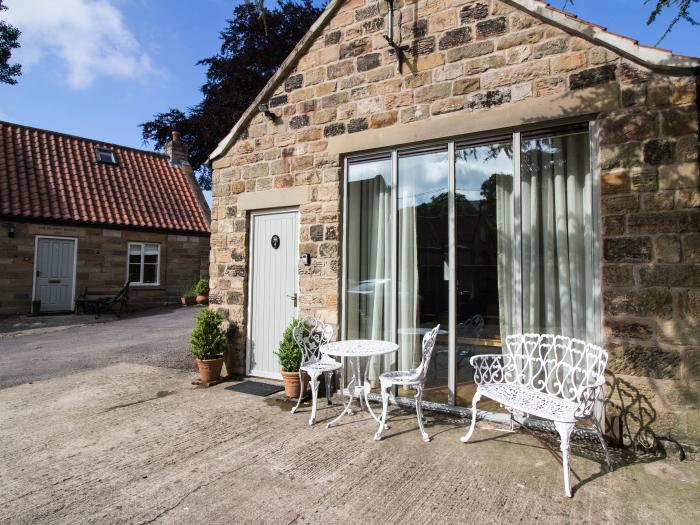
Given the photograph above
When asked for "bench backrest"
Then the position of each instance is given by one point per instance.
(553, 364)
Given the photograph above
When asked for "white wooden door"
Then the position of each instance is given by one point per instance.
(55, 273)
(273, 288)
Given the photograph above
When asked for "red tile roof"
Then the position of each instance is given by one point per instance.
(53, 176)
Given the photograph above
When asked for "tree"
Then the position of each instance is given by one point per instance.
(681, 9)
(252, 49)
(9, 40)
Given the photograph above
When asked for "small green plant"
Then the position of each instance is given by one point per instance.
(202, 287)
(208, 339)
(189, 294)
(288, 353)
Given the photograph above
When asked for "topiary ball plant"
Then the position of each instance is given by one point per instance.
(288, 353)
(208, 339)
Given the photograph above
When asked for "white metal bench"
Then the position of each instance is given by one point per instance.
(547, 376)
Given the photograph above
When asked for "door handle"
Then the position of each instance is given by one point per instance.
(293, 297)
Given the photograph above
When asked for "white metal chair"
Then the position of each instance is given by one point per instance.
(311, 335)
(414, 379)
(547, 376)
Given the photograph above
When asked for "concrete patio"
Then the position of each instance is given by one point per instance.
(137, 444)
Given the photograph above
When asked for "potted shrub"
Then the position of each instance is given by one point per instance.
(189, 297)
(289, 356)
(202, 291)
(208, 342)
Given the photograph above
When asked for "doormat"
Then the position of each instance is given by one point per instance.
(255, 388)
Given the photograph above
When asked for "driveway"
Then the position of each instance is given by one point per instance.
(156, 337)
(138, 444)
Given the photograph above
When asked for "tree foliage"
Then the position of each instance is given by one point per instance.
(253, 45)
(9, 40)
(680, 8)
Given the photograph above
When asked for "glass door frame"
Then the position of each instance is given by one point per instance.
(452, 145)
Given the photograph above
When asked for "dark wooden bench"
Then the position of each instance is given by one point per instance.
(98, 302)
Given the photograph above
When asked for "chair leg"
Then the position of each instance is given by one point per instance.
(564, 430)
(385, 409)
(475, 400)
(314, 398)
(419, 413)
(602, 443)
(301, 391)
(329, 378)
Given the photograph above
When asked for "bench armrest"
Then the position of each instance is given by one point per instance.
(488, 368)
(587, 398)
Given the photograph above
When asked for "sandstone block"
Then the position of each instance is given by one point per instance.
(592, 77)
(679, 176)
(627, 249)
(656, 302)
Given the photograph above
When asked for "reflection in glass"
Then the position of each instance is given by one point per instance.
(484, 240)
(369, 250)
(423, 274)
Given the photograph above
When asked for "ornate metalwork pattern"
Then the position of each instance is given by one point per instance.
(414, 379)
(359, 386)
(312, 335)
(360, 348)
(549, 376)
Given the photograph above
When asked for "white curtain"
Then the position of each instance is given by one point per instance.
(408, 285)
(369, 254)
(557, 258)
(506, 252)
(369, 258)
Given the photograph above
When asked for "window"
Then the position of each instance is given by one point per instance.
(144, 263)
(105, 156)
(486, 238)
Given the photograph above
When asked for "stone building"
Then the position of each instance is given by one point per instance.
(489, 165)
(78, 214)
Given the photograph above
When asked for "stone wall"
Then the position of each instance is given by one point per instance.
(101, 263)
(468, 58)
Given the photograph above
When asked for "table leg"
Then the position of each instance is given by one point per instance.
(352, 386)
(366, 388)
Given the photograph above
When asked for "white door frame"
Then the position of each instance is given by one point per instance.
(75, 263)
(249, 308)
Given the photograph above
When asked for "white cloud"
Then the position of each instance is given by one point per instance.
(88, 36)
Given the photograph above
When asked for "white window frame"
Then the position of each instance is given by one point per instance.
(99, 151)
(128, 263)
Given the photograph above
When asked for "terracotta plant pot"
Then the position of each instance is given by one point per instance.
(188, 301)
(292, 387)
(210, 369)
(202, 298)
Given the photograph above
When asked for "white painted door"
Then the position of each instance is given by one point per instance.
(274, 254)
(55, 273)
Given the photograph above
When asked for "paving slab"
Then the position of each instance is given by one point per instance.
(139, 444)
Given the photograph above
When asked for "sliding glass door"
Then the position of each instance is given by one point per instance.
(485, 238)
(483, 241)
(423, 251)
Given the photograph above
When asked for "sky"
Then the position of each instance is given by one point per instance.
(99, 68)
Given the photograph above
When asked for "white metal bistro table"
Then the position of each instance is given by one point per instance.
(359, 385)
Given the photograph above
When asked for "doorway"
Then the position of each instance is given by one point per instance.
(54, 273)
(274, 250)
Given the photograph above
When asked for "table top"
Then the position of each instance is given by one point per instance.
(359, 348)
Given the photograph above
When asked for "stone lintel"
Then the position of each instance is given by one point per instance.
(280, 198)
(544, 110)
